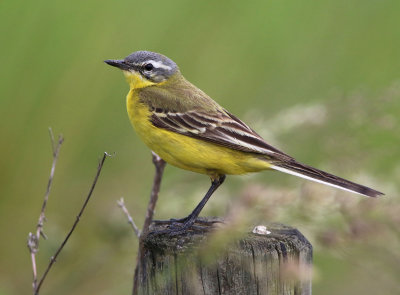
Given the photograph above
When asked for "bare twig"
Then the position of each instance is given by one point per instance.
(159, 165)
(78, 217)
(121, 204)
(33, 239)
(53, 147)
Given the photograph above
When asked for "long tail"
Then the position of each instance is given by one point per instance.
(310, 173)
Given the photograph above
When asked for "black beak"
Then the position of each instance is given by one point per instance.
(118, 64)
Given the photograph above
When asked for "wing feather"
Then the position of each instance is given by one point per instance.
(221, 128)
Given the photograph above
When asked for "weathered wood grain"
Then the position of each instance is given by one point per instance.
(203, 263)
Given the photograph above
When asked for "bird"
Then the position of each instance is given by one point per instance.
(191, 131)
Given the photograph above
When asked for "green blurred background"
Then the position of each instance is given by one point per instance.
(319, 79)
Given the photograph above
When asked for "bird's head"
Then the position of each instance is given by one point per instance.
(145, 68)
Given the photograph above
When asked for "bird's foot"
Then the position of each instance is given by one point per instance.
(169, 221)
(177, 227)
(199, 220)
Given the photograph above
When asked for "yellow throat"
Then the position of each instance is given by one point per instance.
(135, 80)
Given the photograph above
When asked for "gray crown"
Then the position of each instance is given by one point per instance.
(163, 67)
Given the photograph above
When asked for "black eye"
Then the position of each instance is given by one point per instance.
(148, 67)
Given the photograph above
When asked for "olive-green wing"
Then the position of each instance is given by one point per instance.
(216, 125)
(226, 130)
(219, 127)
(183, 108)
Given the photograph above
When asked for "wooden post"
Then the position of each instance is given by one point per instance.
(276, 260)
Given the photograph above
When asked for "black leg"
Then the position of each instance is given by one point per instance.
(191, 219)
(193, 216)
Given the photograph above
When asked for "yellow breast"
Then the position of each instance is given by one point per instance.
(186, 152)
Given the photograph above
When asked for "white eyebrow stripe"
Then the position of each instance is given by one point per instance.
(158, 64)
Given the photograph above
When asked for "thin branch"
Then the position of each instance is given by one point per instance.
(78, 217)
(33, 239)
(121, 204)
(53, 147)
(159, 165)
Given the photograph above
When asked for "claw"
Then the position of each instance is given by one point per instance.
(177, 227)
(170, 221)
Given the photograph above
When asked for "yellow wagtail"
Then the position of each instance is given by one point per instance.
(188, 129)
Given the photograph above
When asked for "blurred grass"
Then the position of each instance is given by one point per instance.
(260, 57)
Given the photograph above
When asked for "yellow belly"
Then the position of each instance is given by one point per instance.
(186, 152)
